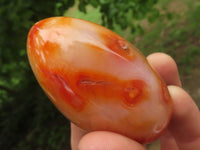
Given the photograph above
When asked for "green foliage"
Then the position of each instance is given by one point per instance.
(190, 57)
(122, 12)
(194, 18)
(93, 14)
(24, 109)
(175, 35)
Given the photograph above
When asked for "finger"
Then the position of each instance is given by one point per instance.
(76, 134)
(166, 67)
(168, 142)
(102, 140)
(185, 122)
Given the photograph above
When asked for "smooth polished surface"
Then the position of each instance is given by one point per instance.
(97, 79)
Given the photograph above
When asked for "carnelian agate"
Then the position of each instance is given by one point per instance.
(97, 79)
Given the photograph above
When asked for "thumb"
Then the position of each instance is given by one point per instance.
(102, 140)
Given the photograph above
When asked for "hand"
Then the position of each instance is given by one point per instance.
(183, 132)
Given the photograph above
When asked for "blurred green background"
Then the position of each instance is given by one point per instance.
(28, 120)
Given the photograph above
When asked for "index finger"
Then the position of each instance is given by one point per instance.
(166, 67)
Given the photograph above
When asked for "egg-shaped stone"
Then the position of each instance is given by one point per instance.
(97, 79)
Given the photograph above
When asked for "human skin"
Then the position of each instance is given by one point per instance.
(183, 132)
